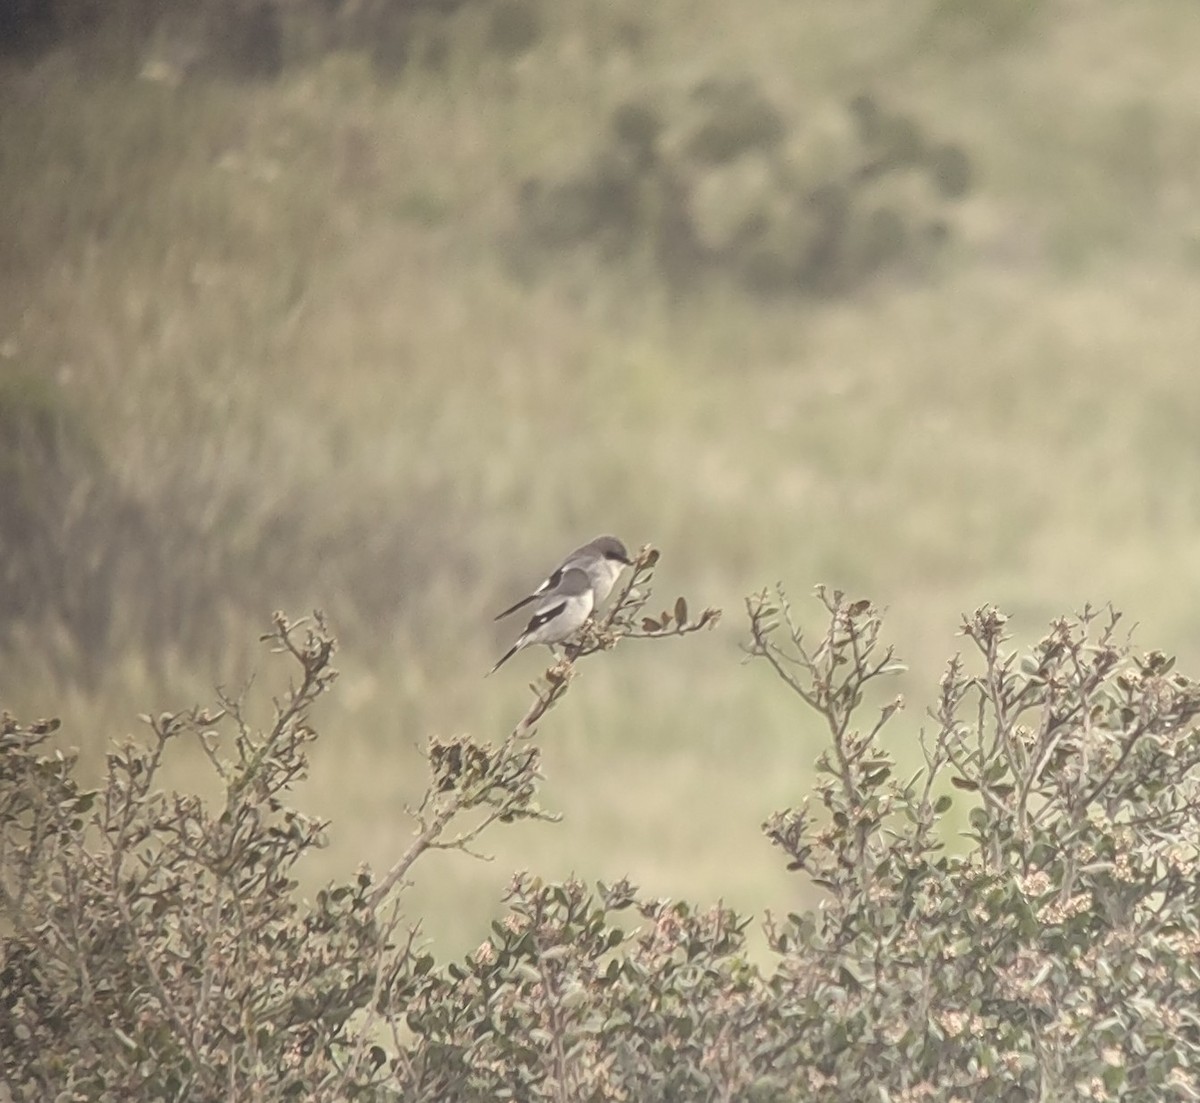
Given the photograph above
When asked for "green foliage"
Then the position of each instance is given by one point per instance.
(157, 949)
(261, 327)
(736, 119)
(56, 493)
(75, 543)
(515, 26)
(809, 226)
(257, 40)
(1057, 955)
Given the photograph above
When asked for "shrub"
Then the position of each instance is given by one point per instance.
(814, 222)
(157, 950)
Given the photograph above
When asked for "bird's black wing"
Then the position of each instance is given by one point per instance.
(544, 617)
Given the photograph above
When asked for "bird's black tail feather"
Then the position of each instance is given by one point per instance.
(504, 658)
(513, 608)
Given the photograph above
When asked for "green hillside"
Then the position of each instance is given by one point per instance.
(299, 341)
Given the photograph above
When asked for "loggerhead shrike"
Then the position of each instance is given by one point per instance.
(602, 560)
(558, 615)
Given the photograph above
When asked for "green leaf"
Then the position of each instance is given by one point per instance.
(85, 801)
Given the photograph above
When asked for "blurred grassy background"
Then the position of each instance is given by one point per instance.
(281, 321)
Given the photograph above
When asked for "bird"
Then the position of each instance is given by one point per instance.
(558, 615)
(602, 560)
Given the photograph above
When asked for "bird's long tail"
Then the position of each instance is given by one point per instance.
(513, 608)
(504, 658)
